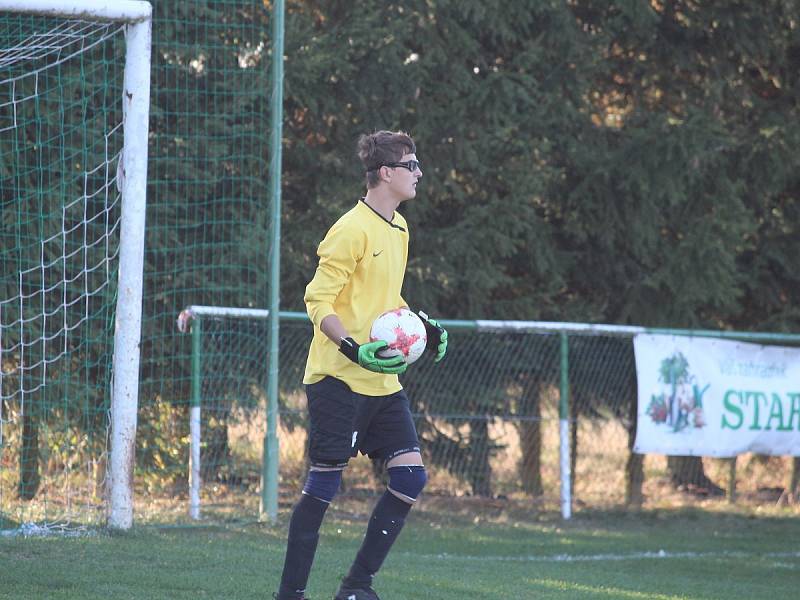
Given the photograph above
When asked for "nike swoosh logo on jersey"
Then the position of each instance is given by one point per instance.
(377, 253)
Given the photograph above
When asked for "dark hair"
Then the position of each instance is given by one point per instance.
(377, 149)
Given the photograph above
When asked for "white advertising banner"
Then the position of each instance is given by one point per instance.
(713, 397)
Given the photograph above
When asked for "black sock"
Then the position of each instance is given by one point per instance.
(384, 526)
(302, 545)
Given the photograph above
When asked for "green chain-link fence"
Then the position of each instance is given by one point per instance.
(488, 418)
(207, 223)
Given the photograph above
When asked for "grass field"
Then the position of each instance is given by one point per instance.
(504, 554)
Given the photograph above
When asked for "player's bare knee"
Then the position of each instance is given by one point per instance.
(405, 459)
(407, 481)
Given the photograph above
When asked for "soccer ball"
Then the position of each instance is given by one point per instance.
(403, 331)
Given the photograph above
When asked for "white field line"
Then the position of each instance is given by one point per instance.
(556, 558)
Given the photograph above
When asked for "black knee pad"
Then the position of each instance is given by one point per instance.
(323, 485)
(408, 480)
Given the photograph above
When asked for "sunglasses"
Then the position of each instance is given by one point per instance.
(411, 165)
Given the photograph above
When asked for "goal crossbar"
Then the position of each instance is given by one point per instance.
(129, 11)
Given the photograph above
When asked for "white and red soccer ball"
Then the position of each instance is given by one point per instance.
(403, 331)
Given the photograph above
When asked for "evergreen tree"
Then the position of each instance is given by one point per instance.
(633, 161)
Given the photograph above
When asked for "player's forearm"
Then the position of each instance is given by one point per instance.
(332, 327)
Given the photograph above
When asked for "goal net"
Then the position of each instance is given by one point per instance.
(63, 171)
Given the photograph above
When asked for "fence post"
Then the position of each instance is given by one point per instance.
(731, 491)
(194, 420)
(563, 415)
(268, 509)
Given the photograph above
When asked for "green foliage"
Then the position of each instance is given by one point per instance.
(633, 161)
(466, 82)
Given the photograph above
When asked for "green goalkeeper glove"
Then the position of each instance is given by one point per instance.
(437, 336)
(365, 355)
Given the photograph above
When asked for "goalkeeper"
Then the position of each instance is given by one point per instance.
(355, 401)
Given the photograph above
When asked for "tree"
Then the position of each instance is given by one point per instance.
(606, 143)
(697, 108)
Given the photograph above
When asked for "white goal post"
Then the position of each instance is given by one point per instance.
(136, 16)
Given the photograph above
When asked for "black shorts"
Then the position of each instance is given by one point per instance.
(344, 423)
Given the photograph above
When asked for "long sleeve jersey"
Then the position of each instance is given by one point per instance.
(362, 262)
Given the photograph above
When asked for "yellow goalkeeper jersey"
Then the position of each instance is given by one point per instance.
(362, 262)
